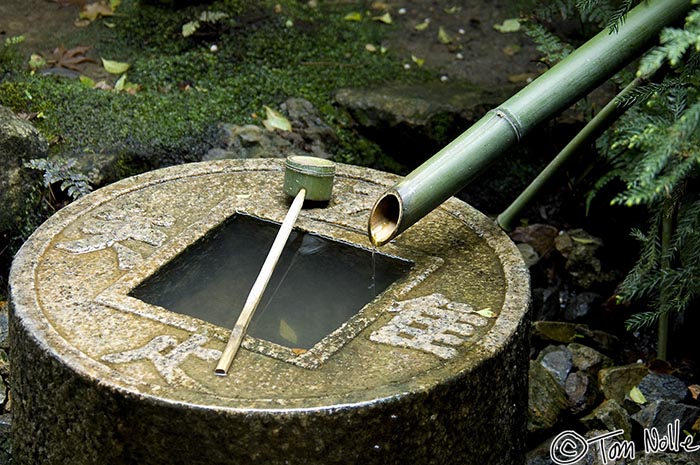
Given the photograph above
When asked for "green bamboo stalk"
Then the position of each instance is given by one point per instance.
(468, 155)
(600, 122)
(668, 223)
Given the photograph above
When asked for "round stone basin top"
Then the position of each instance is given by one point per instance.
(73, 282)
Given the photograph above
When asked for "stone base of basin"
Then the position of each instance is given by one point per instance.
(432, 371)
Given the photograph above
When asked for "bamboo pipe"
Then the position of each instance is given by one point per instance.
(461, 161)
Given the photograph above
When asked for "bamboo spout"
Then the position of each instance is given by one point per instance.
(461, 161)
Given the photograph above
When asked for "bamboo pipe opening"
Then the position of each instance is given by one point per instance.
(385, 218)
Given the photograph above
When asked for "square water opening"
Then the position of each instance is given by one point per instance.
(318, 283)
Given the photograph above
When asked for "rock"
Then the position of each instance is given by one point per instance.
(19, 143)
(582, 391)
(669, 458)
(661, 413)
(4, 364)
(660, 386)
(310, 135)
(529, 254)
(401, 117)
(547, 399)
(616, 382)
(558, 361)
(545, 303)
(588, 359)
(594, 455)
(608, 416)
(579, 248)
(557, 331)
(580, 305)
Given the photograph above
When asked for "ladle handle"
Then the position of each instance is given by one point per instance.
(241, 326)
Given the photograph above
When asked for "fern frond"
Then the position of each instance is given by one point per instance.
(642, 320)
(617, 18)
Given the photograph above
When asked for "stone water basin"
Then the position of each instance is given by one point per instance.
(433, 370)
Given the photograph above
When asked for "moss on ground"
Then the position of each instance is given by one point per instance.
(265, 54)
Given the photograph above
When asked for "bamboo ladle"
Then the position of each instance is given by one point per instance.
(305, 178)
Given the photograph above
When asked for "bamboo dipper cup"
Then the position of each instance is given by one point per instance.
(304, 178)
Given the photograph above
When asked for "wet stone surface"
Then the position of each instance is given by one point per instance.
(441, 349)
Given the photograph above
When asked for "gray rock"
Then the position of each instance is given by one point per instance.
(545, 303)
(547, 399)
(669, 458)
(660, 386)
(4, 364)
(580, 305)
(594, 456)
(582, 391)
(588, 359)
(608, 416)
(558, 361)
(661, 413)
(430, 114)
(616, 382)
(581, 249)
(19, 143)
(310, 135)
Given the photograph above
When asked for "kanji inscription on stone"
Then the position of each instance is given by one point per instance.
(432, 323)
(167, 363)
(109, 228)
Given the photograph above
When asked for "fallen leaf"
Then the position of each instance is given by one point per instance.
(121, 82)
(522, 77)
(443, 36)
(379, 6)
(694, 391)
(276, 120)
(486, 313)
(69, 59)
(385, 18)
(511, 50)
(103, 85)
(422, 26)
(370, 48)
(637, 396)
(298, 351)
(287, 332)
(115, 67)
(452, 10)
(354, 16)
(92, 11)
(539, 236)
(418, 61)
(87, 81)
(509, 25)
